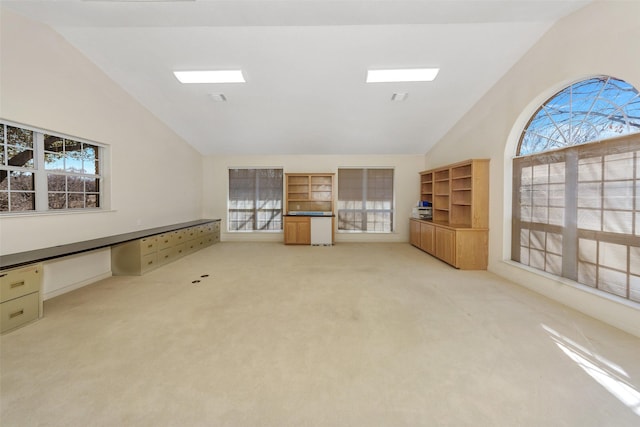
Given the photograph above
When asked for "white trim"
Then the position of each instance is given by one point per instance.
(74, 286)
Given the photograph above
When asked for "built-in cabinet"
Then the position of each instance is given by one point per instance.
(20, 296)
(309, 192)
(458, 233)
(307, 195)
(139, 256)
(297, 230)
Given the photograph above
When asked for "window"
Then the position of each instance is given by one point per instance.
(41, 171)
(576, 182)
(365, 200)
(255, 199)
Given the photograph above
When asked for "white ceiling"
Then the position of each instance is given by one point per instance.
(305, 63)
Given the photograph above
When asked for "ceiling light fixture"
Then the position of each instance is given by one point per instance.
(402, 75)
(215, 76)
(136, 1)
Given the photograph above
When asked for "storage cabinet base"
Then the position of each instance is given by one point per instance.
(463, 248)
(20, 301)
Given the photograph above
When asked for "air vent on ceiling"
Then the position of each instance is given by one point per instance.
(218, 97)
(399, 96)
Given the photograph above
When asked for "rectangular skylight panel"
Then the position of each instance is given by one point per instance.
(402, 75)
(214, 76)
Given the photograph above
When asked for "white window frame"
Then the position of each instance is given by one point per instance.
(40, 174)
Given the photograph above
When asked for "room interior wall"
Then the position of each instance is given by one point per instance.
(600, 39)
(154, 178)
(406, 188)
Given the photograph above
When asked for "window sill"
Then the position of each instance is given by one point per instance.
(575, 285)
(53, 213)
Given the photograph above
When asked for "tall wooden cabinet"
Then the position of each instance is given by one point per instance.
(458, 234)
(306, 195)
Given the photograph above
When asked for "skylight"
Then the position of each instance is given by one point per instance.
(213, 76)
(402, 75)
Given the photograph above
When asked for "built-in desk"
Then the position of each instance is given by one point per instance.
(21, 274)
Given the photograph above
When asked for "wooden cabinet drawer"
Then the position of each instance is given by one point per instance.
(178, 237)
(165, 241)
(19, 311)
(180, 250)
(19, 282)
(166, 255)
(148, 245)
(148, 262)
(190, 233)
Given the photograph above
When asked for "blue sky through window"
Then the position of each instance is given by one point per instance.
(591, 110)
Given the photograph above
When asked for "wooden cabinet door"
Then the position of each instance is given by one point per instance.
(297, 231)
(427, 232)
(445, 243)
(414, 233)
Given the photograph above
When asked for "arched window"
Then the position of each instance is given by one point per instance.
(576, 182)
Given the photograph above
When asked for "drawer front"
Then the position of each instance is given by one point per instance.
(180, 250)
(178, 237)
(165, 241)
(19, 311)
(148, 245)
(148, 262)
(166, 255)
(19, 282)
(190, 233)
(191, 246)
(216, 226)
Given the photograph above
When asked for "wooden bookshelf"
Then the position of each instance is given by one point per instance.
(458, 232)
(309, 192)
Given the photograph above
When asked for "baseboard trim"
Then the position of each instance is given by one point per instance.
(77, 285)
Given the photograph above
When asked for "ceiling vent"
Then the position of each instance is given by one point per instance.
(400, 96)
(218, 97)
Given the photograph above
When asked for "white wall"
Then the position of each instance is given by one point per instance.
(156, 178)
(406, 182)
(602, 38)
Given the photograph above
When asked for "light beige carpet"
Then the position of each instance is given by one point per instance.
(350, 335)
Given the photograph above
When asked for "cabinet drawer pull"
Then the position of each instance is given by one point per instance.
(16, 314)
(150, 246)
(150, 262)
(17, 284)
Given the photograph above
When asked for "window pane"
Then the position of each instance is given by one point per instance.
(57, 201)
(4, 201)
(56, 182)
(20, 157)
(72, 156)
(90, 159)
(21, 181)
(92, 201)
(76, 200)
(21, 138)
(22, 201)
(75, 183)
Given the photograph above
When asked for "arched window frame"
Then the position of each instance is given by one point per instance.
(576, 210)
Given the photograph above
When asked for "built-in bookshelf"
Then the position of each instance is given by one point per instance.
(458, 232)
(309, 192)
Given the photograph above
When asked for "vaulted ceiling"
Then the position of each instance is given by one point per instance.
(305, 63)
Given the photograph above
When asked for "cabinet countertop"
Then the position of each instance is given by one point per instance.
(38, 255)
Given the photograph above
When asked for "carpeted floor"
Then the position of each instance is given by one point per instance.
(349, 335)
